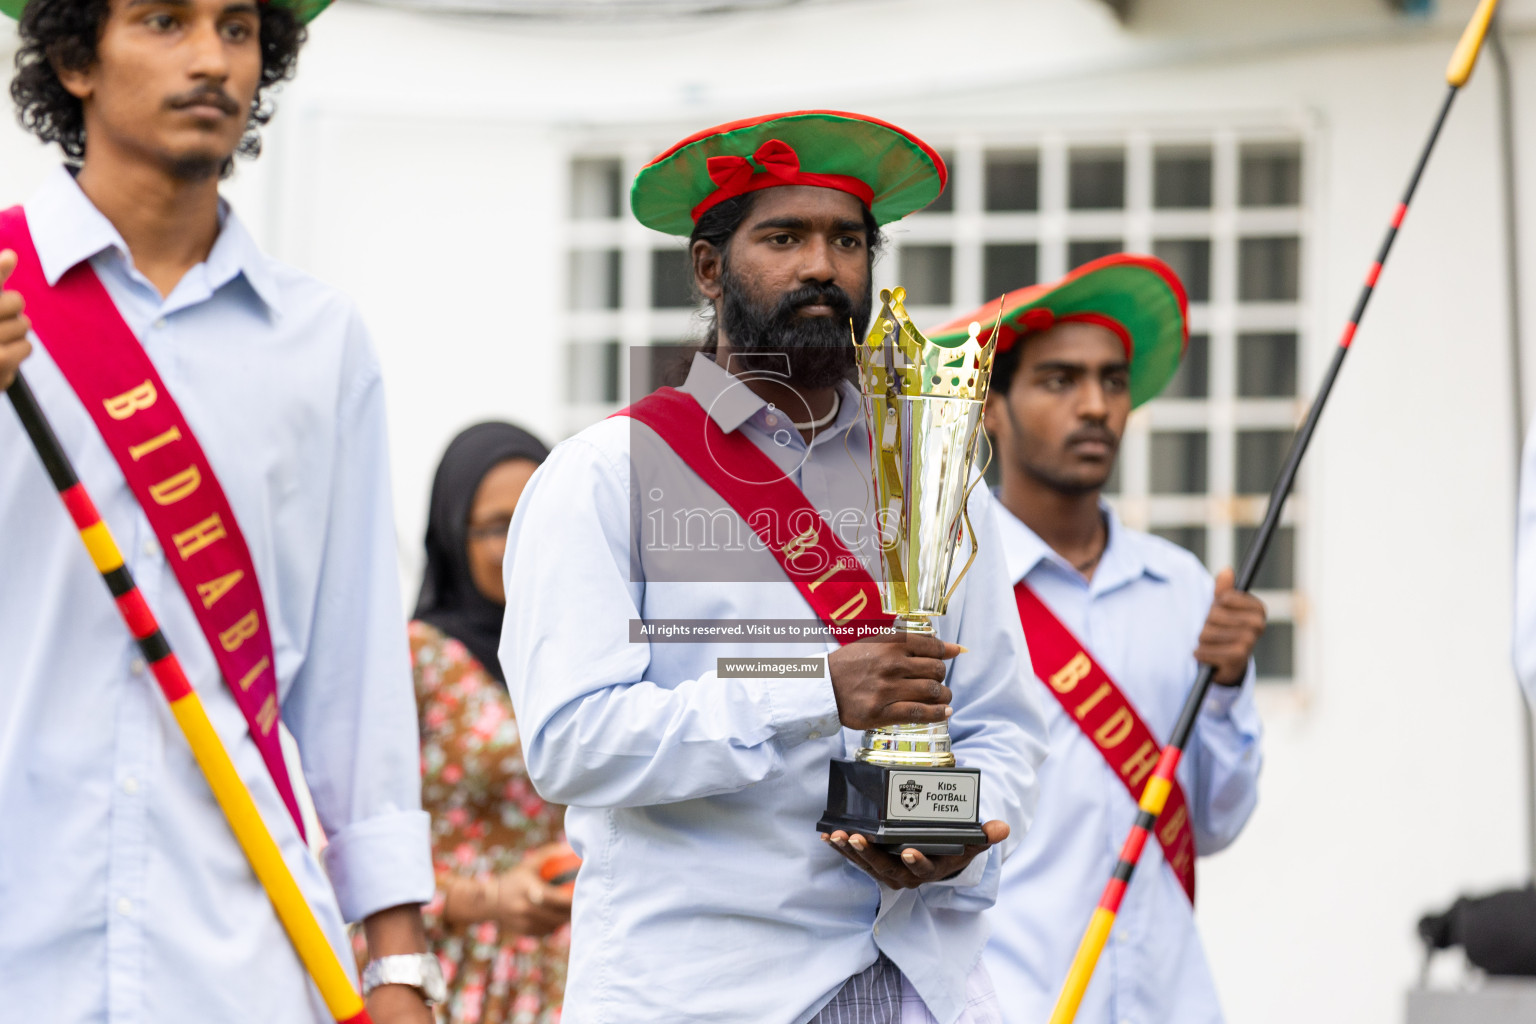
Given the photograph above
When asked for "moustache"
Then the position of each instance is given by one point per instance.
(829, 295)
(208, 95)
(1093, 433)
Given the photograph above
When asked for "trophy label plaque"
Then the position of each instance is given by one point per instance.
(869, 799)
(932, 796)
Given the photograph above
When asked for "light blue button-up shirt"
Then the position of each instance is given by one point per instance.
(1140, 617)
(123, 896)
(706, 892)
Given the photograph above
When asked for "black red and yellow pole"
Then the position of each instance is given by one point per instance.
(1155, 795)
(315, 951)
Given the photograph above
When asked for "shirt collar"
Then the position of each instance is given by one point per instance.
(1128, 555)
(67, 230)
(719, 392)
(730, 403)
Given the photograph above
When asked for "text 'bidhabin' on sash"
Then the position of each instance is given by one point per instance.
(757, 631)
(165, 467)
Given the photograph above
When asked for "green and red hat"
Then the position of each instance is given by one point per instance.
(891, 171)
(306, 10)
(1139, 298)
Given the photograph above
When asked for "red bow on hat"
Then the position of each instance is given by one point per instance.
(1041, 319)
(776, 163)
(774, 157)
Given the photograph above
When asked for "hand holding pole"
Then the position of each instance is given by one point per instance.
(234, 799)
(1155, 795)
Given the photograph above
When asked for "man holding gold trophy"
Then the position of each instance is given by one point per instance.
(695, 636)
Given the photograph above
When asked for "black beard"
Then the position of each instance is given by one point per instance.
(820, 349)
(192, 169)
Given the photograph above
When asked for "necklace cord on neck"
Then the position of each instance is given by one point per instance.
(817, 424)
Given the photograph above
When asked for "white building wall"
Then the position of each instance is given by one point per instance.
(419, 165)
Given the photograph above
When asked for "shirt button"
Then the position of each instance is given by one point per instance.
(137, 666)
(877, 929)
(130, 785)
(125, 906)
(151, 549)
(815, 734)
(160, 323)
(772, 421)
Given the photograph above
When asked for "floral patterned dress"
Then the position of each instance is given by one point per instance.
(485, 817)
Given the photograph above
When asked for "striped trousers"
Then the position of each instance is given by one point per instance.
(880, 994)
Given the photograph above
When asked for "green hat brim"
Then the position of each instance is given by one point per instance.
(1140, 298)
(306, 10)
(903, 172)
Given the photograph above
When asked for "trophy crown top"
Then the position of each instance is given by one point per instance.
(898, 360)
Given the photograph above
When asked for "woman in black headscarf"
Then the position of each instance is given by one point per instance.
(474, 494)
(499, 928)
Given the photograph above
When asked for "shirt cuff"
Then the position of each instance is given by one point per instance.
(381, 862)
(972, 875)
(1219, 699)
(800, 710)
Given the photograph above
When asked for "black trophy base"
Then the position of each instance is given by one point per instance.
(931, 810)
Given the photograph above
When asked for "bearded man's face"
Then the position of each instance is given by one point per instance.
(795, 273)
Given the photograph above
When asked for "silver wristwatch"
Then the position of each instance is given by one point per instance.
(420, 971)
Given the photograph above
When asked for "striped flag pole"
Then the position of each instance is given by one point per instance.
(1155, 795)
(298, 920)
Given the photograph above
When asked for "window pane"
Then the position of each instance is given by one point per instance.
(1084, 250)
(1266, 365)
(1193, 379)
(592, 372)
(1190, 538)
(1278, 572)
(1096, 179)
(925, 272)
(1012, 182)
(595, 189)
(1268, 269)
(671, 279)
(595, 278)
(946, 201)
(1007, 267)
(1190, 258)
(1181, 178)
(1275, 655)
(1269, 174)
(1178, 462)
(1260, 454)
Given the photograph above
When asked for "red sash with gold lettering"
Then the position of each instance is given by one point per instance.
(829, 577)
(1092, 700)
(102, 360)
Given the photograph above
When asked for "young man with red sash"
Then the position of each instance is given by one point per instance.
(225, 413)
(650, 549)
(1116, 622)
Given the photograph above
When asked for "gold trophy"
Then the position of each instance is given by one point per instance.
(922, 405)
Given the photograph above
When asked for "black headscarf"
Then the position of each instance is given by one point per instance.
(449, 599)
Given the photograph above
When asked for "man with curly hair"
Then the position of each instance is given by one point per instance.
(253, 403)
